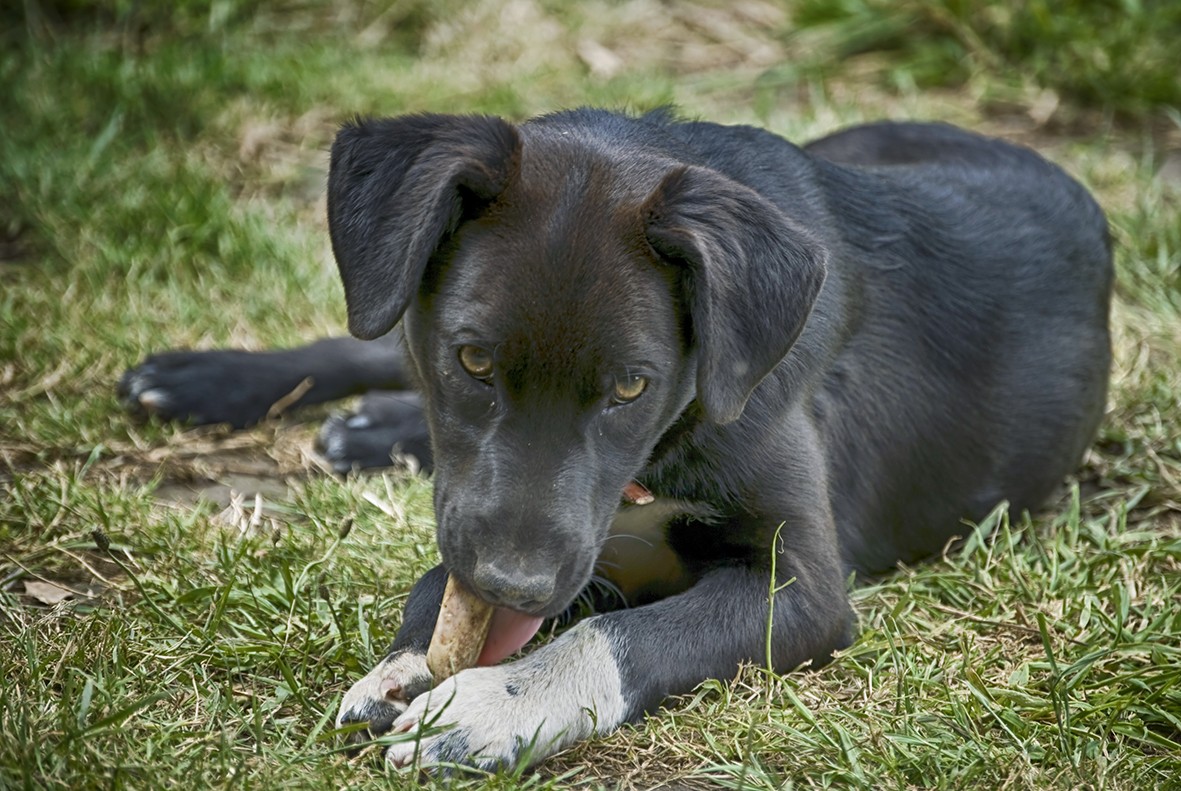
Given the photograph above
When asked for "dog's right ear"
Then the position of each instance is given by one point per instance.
(397, 187)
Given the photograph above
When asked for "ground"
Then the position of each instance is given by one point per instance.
(186, 607)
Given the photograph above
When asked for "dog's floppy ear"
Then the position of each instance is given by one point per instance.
(752, 281)
(396, 188)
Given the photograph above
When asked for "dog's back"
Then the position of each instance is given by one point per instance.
(980, 366)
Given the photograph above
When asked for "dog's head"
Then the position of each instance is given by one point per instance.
(565, 295)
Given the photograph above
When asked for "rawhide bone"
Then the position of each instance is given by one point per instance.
(460, 631)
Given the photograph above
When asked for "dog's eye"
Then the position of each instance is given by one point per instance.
(476, 361)
(628, 389)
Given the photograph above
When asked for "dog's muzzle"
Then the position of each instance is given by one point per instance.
(527, 591)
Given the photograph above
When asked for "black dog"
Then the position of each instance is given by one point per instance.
(832, 355)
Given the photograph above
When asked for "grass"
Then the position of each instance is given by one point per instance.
(1111, 54)
(161, 179)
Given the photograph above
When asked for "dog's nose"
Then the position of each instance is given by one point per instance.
(519, 591)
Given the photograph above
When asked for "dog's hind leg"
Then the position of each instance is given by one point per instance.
(241, 388)
(385, 425)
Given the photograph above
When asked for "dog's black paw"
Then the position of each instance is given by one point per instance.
(386, 428)
(204, 387)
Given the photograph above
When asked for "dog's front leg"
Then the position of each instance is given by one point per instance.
(612, 668)
(521, 711)
(385, 692)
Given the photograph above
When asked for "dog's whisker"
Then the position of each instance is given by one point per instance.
(641, 539)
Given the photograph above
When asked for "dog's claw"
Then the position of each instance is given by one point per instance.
(154, 400)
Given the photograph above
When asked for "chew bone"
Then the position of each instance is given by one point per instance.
(460, 631)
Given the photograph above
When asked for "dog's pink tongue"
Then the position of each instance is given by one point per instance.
(509, 631)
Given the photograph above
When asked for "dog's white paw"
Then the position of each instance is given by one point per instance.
(384, 693)
(518, 712)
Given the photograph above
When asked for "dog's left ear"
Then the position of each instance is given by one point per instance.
(753, 278)
(397, 187)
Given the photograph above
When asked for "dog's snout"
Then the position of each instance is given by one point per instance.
(519, 590)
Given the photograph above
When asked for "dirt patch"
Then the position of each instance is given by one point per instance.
(247, 477)
(222, 493)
